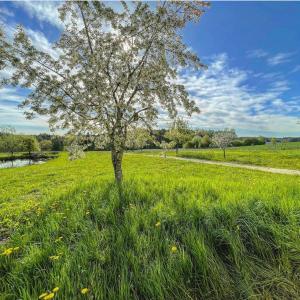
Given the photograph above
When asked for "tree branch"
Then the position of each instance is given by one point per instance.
(86, 28)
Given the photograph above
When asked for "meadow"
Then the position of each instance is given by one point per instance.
(282, 156)
(173, 230)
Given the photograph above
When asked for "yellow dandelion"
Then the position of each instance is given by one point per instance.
(7, 252)
(43, 295)
(54, 257)
(157, 224)
(174, 249)
(49, 296)
(55, 290)
(84, 291)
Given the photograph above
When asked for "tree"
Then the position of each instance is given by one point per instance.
(223, 139)
(284, 143)
(57, 143)
(261, 140)
(10, 142)
(165, 146)
(205, 141)
(75, 151)
(237, 143)
(188, 145)
(31, 144)
(178, 133)
(137, 138)
(46, 145)
(196, 141)
(110, 69)
(273, 142)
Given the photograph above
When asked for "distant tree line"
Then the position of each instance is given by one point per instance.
(177, 135)
(11, 142)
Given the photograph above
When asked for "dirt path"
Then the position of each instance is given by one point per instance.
(236, 165)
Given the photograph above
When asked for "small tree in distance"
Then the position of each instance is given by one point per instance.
(274, 142)
(196, 141)
(9, 141)
(178, 133)
(31, 144)
(205, 141)
(223, 139)
(165, 146)
(138, 138)
(46, 145)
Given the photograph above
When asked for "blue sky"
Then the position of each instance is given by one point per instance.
(252, 50)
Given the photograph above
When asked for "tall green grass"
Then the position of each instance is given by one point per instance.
(283, 156)
(236, 232)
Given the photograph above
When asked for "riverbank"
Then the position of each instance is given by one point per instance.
(33, 156)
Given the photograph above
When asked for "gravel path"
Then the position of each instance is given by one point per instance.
(236, 165)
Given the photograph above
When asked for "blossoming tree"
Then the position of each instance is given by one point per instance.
(109, 70)
(223, 139)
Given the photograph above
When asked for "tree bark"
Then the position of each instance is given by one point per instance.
(117, 156)
(224, 153)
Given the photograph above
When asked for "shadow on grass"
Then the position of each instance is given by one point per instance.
(136, 242)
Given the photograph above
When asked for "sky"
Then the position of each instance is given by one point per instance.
(251, 49)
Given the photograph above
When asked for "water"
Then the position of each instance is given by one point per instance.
(19, 163)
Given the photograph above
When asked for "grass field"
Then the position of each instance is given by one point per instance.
(174, 230)
(284, 156)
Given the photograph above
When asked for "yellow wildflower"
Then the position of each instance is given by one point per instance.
(87, 213)
(7, 252)
(49, 296)
(157, 224)
(54, 257)
(58, 239)
(16, 248)
(174, 249)
(84, 291)
(55, 289)
(43, 295)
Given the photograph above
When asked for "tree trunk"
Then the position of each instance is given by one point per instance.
(224, 153)
(176, 149)
(117, 157)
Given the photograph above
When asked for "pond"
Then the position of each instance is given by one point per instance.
(21, 162)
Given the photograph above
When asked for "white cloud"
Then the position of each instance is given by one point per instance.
(10, 94)
(279, 58)
(6, 12)
(273, 60)
(257, 53)
(226, 100)
(296, 69)
(10, 114)
(44, 11)
(40, 41)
